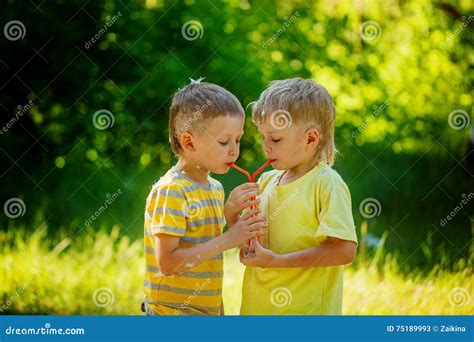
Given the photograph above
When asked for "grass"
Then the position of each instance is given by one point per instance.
(100, 273)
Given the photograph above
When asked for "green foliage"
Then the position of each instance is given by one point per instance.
(393, 96)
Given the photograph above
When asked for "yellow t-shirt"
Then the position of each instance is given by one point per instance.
(179, 206)
(302, 214)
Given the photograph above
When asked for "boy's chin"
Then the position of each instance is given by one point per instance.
(277, 165)
(220, 170)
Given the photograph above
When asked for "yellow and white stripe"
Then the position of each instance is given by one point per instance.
(181, 207)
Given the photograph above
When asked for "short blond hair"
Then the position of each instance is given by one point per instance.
(194, 105)
(298, 100)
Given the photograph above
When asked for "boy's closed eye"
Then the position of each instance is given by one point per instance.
(223, 143)
(273, 139)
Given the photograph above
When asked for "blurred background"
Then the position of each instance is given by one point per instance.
(84, 96)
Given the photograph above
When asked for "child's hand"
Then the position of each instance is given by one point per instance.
(263, 257)
(239, 199)
(247, 227)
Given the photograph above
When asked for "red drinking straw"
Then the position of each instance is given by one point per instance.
(251, 178)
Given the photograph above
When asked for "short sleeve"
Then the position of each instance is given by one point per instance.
(167, 210)
(264, 179)
(222, 199)
(335, 214)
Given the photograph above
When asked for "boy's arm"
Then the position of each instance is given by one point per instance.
(173, 259)
(331, 252)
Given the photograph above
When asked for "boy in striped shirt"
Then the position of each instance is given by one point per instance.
(185, 212)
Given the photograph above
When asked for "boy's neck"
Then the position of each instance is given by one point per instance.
(299, 170)
(192, 170)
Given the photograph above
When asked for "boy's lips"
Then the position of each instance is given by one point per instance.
(271, 161)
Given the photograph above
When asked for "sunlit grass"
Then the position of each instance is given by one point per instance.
(99, 273)
(62, 278)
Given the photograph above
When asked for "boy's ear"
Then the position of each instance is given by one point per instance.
(187, 141)
(312, 137)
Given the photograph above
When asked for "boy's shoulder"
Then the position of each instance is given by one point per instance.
(327, 173)
(174, 183)
(170, 182)
(215, 184)
(329, 177)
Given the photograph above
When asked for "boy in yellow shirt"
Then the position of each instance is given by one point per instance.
(185, 212)
(311, 229)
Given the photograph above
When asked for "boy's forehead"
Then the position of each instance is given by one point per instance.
(226, 124)
(266, 127)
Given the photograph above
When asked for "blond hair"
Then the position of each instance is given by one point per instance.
(194, 105)
(298, 100)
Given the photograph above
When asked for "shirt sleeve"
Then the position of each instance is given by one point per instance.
(167, 210)
(264, 178)
(222, 198)
(335, 214)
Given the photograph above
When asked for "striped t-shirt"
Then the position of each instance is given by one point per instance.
(180, 206)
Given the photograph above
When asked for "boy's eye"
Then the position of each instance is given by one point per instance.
(223, 143)
(276, 140)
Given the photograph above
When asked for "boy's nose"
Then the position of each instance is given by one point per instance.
(233, 151)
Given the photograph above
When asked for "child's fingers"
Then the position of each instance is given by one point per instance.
(252, 203)
(258, 225)
(248, 194)
(256, 219)
(247, 186)
(260, 232)
(250, 185)
(250, 213)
